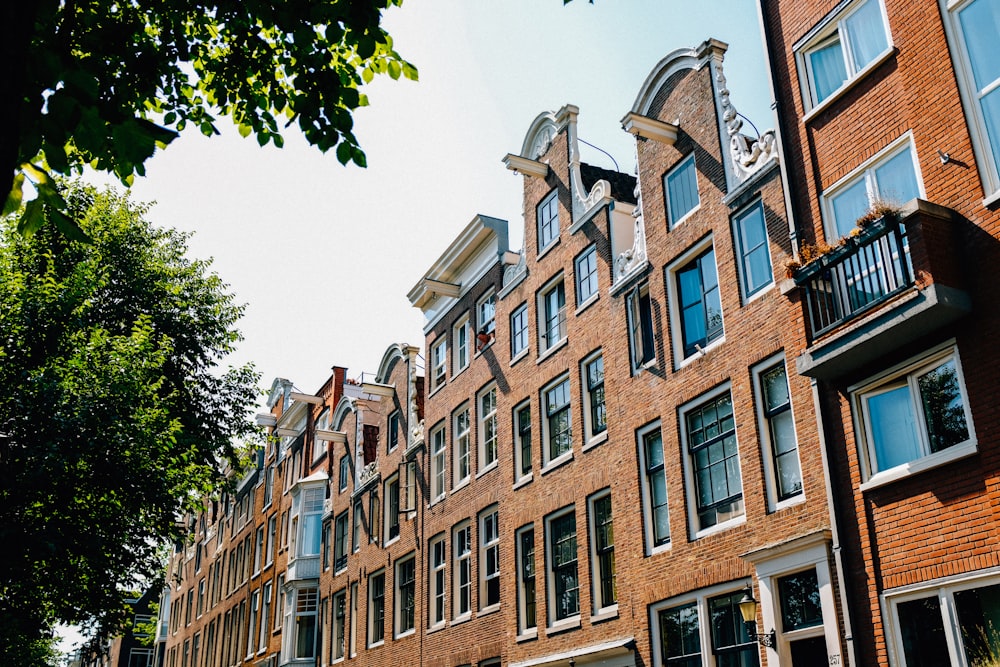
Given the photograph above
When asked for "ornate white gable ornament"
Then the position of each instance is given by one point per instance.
(747, 156)
(634, 257)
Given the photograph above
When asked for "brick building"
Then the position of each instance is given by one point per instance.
(890, 126)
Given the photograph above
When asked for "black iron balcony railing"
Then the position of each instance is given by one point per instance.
(866, 270)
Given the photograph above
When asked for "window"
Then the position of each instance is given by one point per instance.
(558, 431)
(891, 176)
(679, 635)
(488, 428)
(322, 424)
(258, 551)
(439, 363)
(519, 331)
(777, 429)
(252, 625)
(374, 517)
(586, 275)
(954, 625)
(405, 595)
(698, 313)
(489, 559)
(595, 415)
(356, 530)
(714, 460)
(376, 608)
(914, 412)
(654, 488)
(353, 634)
(486, 311)
(272, 530)
(973, 28)
(438, 465)
(564, 582)
(265, 618)
(680, 186)
(392, 509)
(639, 312)
(462, 337)
(462, 542)
(548, 221)
(339, 604)
(798, 596)
(602, 556)
(340, 542)
(461, 444)
(345, 472)
(393, 428)
(753, 253)
(842, 48)
(526, 579)
(438, 580)
(268, 489)
(522, 438)
(309, 516)
(552, 315)
(300, 623)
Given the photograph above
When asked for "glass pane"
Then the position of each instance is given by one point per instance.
(679, 635)
(895, 179)
(654, 451)
(775, 387)
(866, 34)
(893, 428)
(979, 618)
(921, 630)
(800, 605)
(849, 205)
(827, 67)
(944, 413)
(990, 105)
(682, 191)
(980, 25)
(782, 432)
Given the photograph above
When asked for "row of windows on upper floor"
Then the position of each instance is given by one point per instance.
(854, 39)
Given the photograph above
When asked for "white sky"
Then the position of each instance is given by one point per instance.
(324, 255)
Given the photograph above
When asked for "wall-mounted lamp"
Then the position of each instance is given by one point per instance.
(748, 610)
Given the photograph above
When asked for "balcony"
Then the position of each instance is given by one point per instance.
(897, 280)
(303, 567)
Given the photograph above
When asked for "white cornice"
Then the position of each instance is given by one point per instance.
(306, 398)
(526, 166)
(649, 128)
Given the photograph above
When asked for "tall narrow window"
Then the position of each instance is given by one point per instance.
(439, 363)
(753, 253)
(345, 472)
(489, 559)
(310, 521)
(358, 521)
(340, 542)
(488, 428)
(265, 618)
(353, 634)
(302, 623)
(700, 303)
(603, 557)
(552, 313)
(519, 331)
(565, 583)
(376, 608)
(526, 578)
(654, 488)
(339, 625)
(778, 430)
(405, 595)
(596, 415)
(462, 452)
(548, 221)
(586, 275)
(730, 641)
(557, 420)
(680, 186)
(462, 338)
(252, 623)
(486, 325)
(272, 529)
(319, 444)
(392, 437)
(462, 543)
(438, 455)
(710, 430)
(641, 342)
(680, 638)
(392, 508)
(522, 426)
(438, 580)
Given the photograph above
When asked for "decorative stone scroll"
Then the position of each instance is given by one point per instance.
(748, 156)
(635, 256)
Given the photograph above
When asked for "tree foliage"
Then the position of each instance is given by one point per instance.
(115, 418)
(91, 82)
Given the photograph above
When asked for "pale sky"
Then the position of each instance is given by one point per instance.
(323, 255)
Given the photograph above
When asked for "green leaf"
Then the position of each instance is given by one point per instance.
(344, 153)
(13, 202)
(244, 130)
(68, 226)
(394, 70)
(359, 158)
(32, 219)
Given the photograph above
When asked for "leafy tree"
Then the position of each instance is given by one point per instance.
(93, 82)
(114, 419)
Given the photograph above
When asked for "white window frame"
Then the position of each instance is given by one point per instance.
(639, 319)
(599, 610)
(352, 639)
(521, 431)
(866, 172)
(520, 332)
(398, 613)
(767, 444)
(319, 445)
(689, 473)
(437, 585)
(592, 438)
(296, 612)
(909, 369)
(738, 219)
(357, 525)
(674, 298)
(554, 622)
(523, 629)
(550, 339)
(264, 632)
(971, 94)
(641, 437)
(685, 163)
(344, 473)
(548, 461)
(392, 430)
(338, 650)
(252, 623)
(341, 540)
(461, 435)
(547, 217)
(830, 29)
(489, 437)
(461, 541)
(591, 276)
(372, 621)
(486, 320)
(390, 515)
(439, 463)
(439, 363)
(489, 549)
(462, 337)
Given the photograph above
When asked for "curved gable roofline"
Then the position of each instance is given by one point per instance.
(543, 131)
(673, 62)
(389, 359)
(344, 406)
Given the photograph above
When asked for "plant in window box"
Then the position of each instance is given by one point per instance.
(809, 253)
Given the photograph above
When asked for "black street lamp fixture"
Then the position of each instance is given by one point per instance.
(748, 610)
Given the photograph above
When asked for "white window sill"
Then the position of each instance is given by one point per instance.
(437, 500)
(797, 499)
(377, 644)
(437, 627)
(404, 635)
(674, 225)
(588, 303)
(492, 609)
(991, 199)
(920, 465)
(461, 485)
(547, 249)
(761, 292)
(527, 635)
(520, 355)
(660, 548)
(464, 618)
(571, 623)
(389, 542)
(605, 614)
(721, 527)
(492, 466)
(847, 85)
(598, 439)
(340, 571)
(459, 371)
(558, 462)
(703, 353)
(438, 388)
(524, 481)
(337, 661)
(558, 345)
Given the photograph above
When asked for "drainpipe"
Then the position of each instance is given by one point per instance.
(835, 533)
